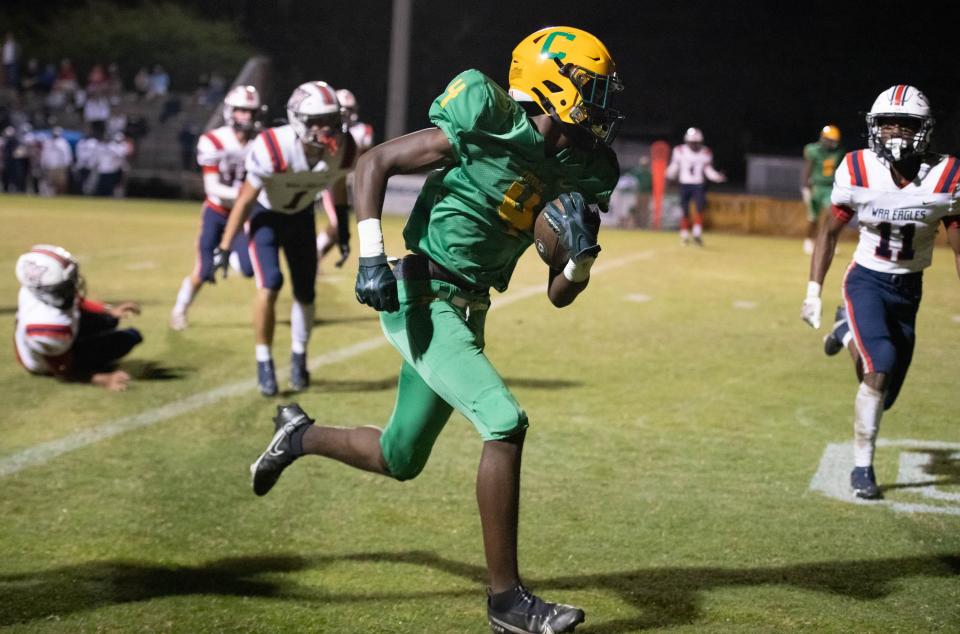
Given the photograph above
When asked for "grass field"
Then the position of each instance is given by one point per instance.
(679, 412)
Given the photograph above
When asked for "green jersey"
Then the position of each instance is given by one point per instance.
(475, 217)
(823, 163)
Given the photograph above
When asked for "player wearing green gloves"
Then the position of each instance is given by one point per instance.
(499, 157)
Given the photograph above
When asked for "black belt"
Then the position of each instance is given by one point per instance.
(416, 267)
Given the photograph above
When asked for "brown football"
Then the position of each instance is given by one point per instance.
(547, 241)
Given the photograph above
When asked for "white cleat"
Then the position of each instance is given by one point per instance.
(178, 321)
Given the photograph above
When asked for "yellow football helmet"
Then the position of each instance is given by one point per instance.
(830, 132)
(571, 75)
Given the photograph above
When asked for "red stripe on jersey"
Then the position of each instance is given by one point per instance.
(862, 169)
(53, 254)
(349, 153)
(57, 331)
(948, 180)
(273, 149)
(842, 212)
(211, 169)
(213, 139)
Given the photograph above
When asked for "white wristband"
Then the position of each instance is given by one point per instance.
(813, 289)
(371, 238)
(578, 271)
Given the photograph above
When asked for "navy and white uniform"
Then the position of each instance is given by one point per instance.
(283, 214)
(884, 283)
(221, 155)
(692, 169)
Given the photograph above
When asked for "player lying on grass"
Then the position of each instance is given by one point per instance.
(60, 332)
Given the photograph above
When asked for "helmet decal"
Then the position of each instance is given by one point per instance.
(547, 53)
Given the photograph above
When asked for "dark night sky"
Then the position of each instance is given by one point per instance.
(757, 77)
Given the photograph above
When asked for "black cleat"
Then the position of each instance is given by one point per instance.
(279, 453)
(266, 378)
(697, 240)
(833, 342)
(531, 615)
(299, 375)
(864, 483)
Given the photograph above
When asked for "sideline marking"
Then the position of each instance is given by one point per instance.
(833, 476)
(47, 451)
(638, 297)
(744, 304)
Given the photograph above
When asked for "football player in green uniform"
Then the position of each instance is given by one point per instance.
(499, 158)
(820, 159)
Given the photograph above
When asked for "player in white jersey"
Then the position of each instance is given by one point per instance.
(61, 333)
(337, 230)
(691, 164)
(286, 170)
(901, 192)
(221, 154)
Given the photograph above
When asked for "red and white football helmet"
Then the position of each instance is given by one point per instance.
(313, 103)
(51, 274)
(241, 98)
(348, 105)
(693, 135)
(900, 102)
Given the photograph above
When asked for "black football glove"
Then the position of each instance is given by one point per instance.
(576, 223)
(343, 233)
(221, 260)
(376, 284)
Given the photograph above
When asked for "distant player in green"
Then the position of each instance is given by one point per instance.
(820, 160)
(500, 158)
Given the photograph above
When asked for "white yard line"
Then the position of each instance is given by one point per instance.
(47, 451)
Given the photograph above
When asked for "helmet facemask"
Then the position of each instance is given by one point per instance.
(591, 110)
(899, 146)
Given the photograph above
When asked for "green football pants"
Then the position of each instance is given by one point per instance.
(439, 333)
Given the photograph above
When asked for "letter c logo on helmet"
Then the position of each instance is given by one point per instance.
(571, 75)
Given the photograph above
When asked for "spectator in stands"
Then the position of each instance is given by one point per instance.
(171, 108)
(96, 109)
(218, 88)
(85, 166)
(203, 88)
(97, 80)
(64, 86)
(159, 82)
(187, 139)
(56, 157)
(114, 83)
(111, 157)
(30, 80)
(11, 61)
(47, 78)
(60, 332)
(141, 83)
(13, 179)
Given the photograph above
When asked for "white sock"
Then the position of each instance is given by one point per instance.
(697, 231)
(184, 296)
(867, 411)
(301, 323)
(322, 241)
(847, 338)
(262, 352)
(684, 234)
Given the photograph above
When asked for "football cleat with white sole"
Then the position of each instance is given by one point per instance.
(266, 378)
(531, 615)
(279, 453)
(833, 342)
(864, 483)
